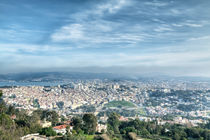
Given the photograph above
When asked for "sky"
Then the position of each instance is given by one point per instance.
(170, 37)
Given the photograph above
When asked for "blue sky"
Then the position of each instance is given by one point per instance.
(129, 36)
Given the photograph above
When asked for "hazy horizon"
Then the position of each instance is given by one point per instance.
(162, 37)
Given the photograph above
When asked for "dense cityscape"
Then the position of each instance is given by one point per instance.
(156, 99)
(166, 102)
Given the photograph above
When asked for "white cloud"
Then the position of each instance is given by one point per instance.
(156, 3)
(31, 49)
(190, 23)
(193, 25)
(112, 6)
(68, 33)
(163, 29)
(99, 32)
(194, 61)
(177, 25)
(200, 38)
(176, 12)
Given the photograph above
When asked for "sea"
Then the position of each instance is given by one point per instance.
(8, 83)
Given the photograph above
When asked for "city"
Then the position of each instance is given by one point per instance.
(151, 98)
(166, 102)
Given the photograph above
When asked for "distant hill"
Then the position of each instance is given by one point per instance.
(57, 76)
(65, 76)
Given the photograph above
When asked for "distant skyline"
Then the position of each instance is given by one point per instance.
(170, 37)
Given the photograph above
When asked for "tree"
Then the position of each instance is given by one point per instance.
(47, 131)
(36, 103)
(206, 134)
(193, 132)
(113, 123)
(11, 110)
(1, 93)
(51, 116)
(35, 118)
(77, 123)
(5, 121)
(67, 129)
(90, 123)
(176, 137)
(60, 104)
(35, 127)
(144, 132)
(207, 124)
(3, 106)
(38, 113)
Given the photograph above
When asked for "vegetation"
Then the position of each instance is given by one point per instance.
(36, 103)
(16, 123)
(77, 123)
(90, 123)
(136, 128)
(85, 127)
(86, 108)
(60, 104)
(113, 123)
(47, 131)
(47, 115)
(23, 124)
(119, 104)
(123, 112)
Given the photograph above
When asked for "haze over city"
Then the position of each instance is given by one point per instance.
(117, 36)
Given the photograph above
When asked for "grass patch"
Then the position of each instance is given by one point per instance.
(89, 137)
(119, 104)
(141, 111)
